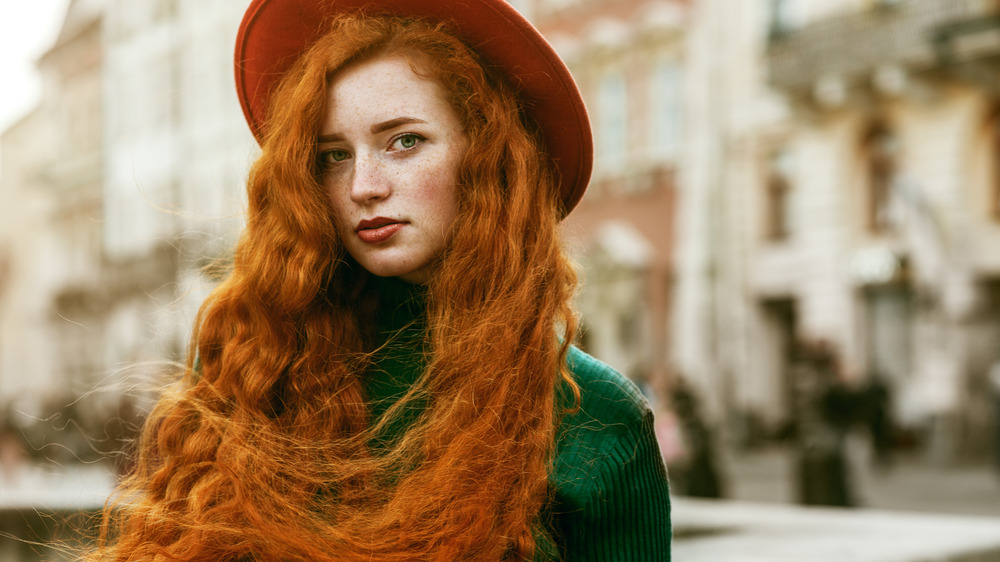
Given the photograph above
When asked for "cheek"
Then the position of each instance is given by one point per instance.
(342, 224)
(447, 184)
(338, 206)
(442, 197)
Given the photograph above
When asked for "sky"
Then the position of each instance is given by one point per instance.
(27, 29)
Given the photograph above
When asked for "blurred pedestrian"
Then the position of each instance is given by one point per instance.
(877, 415)
(697, 473)
(387, 373)
(824, 410)
(994, 375)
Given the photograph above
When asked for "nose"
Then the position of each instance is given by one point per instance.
(370, 182)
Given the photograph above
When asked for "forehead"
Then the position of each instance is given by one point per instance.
(383, 84)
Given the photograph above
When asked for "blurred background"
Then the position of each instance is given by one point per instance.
(791, 241)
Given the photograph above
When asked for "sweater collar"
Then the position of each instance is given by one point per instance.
(400, 303)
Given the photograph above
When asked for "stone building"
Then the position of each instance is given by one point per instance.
(52, 182)
(23, 299)
(146, 187)
(628, 58)
(849, 179)
(767, 171)
(122, 186)
(176, 152)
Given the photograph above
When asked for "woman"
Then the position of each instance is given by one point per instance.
(387, 372)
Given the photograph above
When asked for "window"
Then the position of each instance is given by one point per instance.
(667, 109)
(889, 331)
(786, 15)
(989, 291)
(778, 195)
(612, 124)
(881, 152)
(629, 329)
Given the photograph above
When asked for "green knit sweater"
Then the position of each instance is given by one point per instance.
(611, 499)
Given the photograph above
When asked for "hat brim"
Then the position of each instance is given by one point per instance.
(275, 33)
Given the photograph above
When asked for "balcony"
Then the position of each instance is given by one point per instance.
(908, 36)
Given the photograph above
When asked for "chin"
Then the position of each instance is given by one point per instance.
(407, 274)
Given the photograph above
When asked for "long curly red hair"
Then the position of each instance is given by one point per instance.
(262, 450)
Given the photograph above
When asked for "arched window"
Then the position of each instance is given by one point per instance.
(666, 109)
(881, 154)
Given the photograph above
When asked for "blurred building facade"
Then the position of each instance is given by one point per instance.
(849, 180)
(628, 58)
(767, 172)
(122, 185)
(176, 153)
(52, 175)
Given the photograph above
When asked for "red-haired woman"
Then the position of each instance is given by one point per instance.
(387, 372)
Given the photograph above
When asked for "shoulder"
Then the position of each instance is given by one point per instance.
(610, 484)
(610, 420)
(606, 396)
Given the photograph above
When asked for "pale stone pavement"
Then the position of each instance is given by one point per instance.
(913, 512)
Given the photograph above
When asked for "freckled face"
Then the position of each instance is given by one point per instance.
(389, 151)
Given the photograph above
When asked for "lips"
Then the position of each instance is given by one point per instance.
(378, 229)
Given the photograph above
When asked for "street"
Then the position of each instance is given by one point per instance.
(912, 511)
(911, 484)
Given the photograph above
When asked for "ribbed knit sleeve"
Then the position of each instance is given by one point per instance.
(612, 500)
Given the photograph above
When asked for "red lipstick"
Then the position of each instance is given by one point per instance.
(378, 229)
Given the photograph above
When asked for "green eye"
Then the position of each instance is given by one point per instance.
(407, 141)
(334, 156)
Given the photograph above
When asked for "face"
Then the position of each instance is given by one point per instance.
(389, 151)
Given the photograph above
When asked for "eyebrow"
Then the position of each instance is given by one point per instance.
(376, 128)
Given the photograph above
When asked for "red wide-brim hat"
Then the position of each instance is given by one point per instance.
(275, 33)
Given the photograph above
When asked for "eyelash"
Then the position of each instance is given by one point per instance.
(324, 157)
(419, 139)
